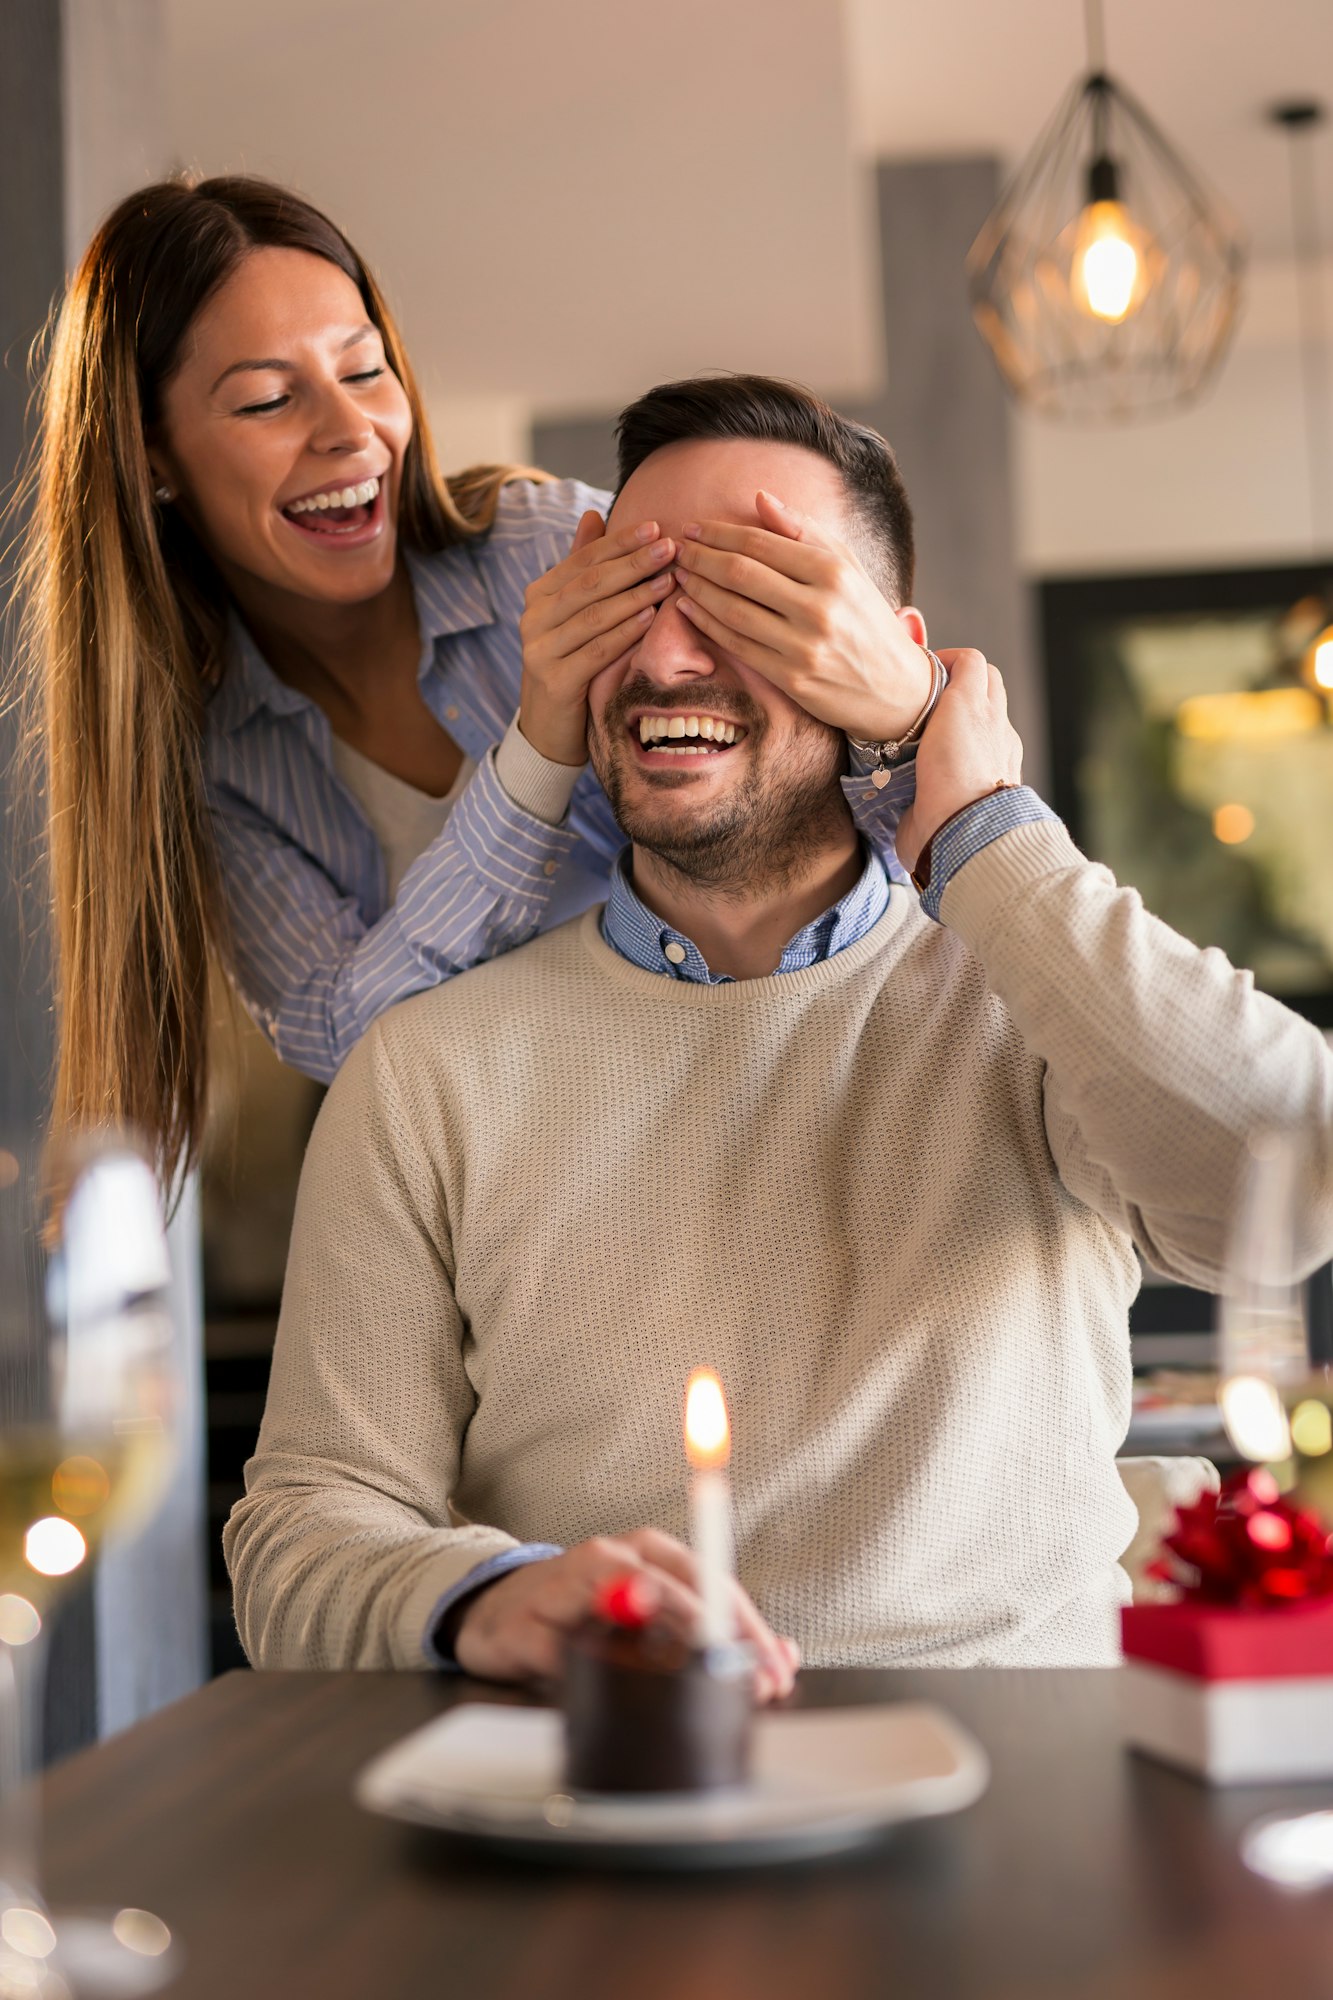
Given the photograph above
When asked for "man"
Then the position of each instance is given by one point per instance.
(881, 1161)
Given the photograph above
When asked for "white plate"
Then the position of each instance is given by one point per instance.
(824, 1780)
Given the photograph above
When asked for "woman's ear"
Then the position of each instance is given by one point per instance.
(160, 467)
(915, 623)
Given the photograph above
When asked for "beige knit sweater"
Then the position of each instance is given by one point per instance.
(891, 1198)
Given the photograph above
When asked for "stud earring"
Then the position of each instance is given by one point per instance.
(162, 494)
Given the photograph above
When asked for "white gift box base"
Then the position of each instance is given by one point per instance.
(1231, 1732)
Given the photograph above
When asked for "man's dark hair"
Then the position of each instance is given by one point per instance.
(763, 411)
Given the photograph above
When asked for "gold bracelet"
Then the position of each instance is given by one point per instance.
(888, 752)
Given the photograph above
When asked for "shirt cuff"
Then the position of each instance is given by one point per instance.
(877, 809)
(964, 836)
(532, 781)
(434, 1645)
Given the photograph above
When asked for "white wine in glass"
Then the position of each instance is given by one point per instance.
(92, 1381)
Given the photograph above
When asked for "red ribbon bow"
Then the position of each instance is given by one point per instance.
(1248, 1545)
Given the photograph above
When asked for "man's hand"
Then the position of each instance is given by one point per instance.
(793, 602)
(514, 1630)
(578, 619)
(969, 748)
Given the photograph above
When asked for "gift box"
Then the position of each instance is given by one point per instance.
(1234, 1681)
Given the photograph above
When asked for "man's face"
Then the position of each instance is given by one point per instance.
(751, 786)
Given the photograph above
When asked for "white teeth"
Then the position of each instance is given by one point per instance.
(338, 496)
(656, 729)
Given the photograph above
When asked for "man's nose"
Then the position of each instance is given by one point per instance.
(673, 649)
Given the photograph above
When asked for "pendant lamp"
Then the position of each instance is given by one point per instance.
(1107, 280)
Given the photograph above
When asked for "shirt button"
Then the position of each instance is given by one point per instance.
(549, 867)
(868, 798)
(675, 952)
(451, 714)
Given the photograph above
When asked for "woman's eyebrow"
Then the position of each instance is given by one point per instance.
(286, 367)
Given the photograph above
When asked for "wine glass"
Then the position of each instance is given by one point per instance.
(1276, 1405)
(91, 1386)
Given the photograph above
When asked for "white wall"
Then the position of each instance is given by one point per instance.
(566, 200)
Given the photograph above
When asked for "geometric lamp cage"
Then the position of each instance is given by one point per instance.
(1107, 280)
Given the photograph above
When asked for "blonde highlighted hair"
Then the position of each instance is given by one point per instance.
(123, 621)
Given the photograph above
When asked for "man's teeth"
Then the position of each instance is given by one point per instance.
(656, 729)
(339, 496)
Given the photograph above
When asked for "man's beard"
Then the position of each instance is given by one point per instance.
(763, 833)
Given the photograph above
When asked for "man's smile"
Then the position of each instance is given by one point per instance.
(668, 738)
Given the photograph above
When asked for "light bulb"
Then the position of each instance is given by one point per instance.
(1109, 272)
(1317, 665)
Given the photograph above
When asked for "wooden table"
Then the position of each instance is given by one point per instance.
(1084, 1874)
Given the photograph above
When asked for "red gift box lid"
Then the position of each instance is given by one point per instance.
(1231, 1642)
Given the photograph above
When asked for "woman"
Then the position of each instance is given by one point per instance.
(280, 660)
(259, 707)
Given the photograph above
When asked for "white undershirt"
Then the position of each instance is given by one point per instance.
(404, 820)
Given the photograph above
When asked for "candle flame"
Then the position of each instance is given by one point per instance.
(707, 1432)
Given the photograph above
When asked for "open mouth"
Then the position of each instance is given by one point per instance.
(340, 516)
(678, 740)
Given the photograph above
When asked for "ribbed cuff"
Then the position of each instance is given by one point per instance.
(977, 827)
(433, 1645)
(1006, 868)
(532, 781)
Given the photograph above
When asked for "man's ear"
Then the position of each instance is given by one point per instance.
(915, 623)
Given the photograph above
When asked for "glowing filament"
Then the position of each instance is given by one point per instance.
(1109, 277)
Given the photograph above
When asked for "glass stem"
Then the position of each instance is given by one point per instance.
(22, 1683)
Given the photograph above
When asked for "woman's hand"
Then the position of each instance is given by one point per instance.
(968, 749)
(793, 602)
(580, 618)
(514, 1630)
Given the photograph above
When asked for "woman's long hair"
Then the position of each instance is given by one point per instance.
(122, 636)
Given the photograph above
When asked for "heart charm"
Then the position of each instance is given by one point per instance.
(879, 779)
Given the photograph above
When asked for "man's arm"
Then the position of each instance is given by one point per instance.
(342, 1553)
(1162, 1060)
(342, 1546)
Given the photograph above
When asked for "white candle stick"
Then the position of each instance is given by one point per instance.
(708, 1447)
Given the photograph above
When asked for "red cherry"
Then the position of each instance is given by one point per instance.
(626, 1600)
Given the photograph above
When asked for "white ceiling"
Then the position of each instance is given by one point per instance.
(568, 198)
(951, 76)
(565, 197)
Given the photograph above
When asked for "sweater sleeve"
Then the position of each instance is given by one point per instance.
(1161, 1058)
(343, 1545)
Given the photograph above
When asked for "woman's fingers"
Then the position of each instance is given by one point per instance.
(592, 621)
(600, 564)
(738, 611)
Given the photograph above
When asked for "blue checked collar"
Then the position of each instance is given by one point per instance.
(632, 929)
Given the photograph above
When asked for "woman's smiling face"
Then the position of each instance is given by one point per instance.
(284, 430)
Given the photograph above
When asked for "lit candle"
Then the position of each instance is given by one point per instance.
(708, 1447)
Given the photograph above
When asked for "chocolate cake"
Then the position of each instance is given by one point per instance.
(646, 1712)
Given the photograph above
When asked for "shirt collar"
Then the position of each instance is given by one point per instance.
(450, 595)
(639, 935)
